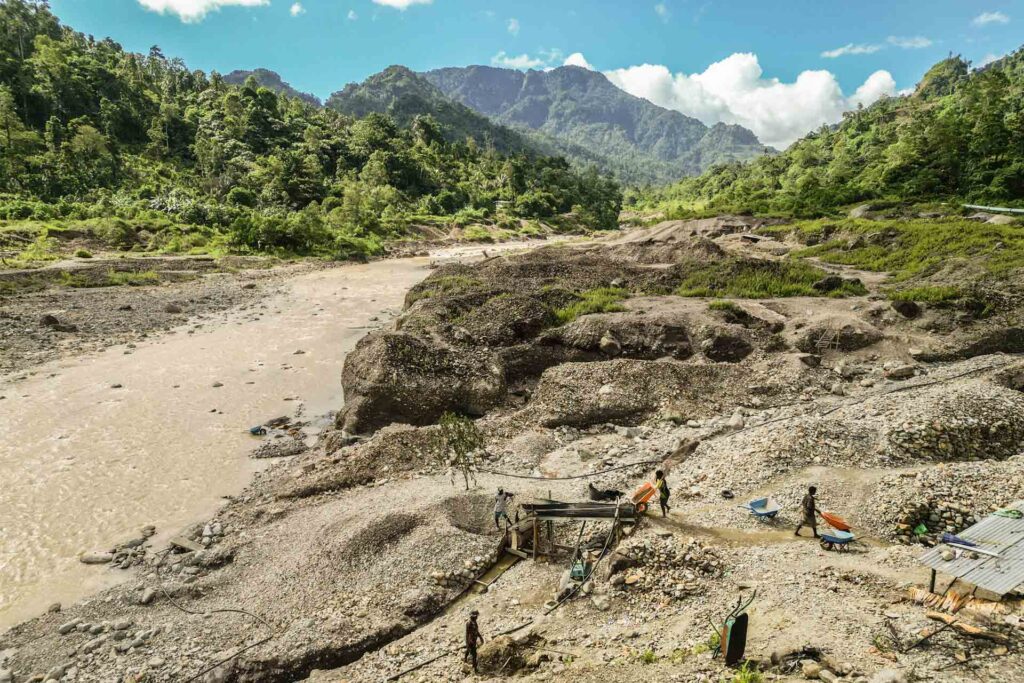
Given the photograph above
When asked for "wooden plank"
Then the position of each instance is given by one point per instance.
(518, 553)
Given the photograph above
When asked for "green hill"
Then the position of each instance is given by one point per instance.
(959, 135)
(151, 155)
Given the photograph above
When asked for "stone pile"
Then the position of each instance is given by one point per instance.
(668, 565)
(949, 497)
(471, 568)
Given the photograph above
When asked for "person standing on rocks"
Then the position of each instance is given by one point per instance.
(663, 493)
(473, 638)
(501, 507)
(810, 508)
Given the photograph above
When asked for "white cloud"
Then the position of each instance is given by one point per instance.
(735, 90)
(352, 16)
(297, 9)
(851, 49)
(910, 42)
(402, 4)
(577, 59)
(513, 26)
(662, 11)
(988, 59)
(986, 18)
(195, 10)
(523, 61)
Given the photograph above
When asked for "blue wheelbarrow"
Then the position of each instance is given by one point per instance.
(762, 508)
(837, 540)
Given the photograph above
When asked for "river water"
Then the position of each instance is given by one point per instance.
(84, 466)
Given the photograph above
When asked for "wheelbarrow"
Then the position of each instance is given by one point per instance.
(642, 496)
(837, 540)
(762, 508)
(732, 634)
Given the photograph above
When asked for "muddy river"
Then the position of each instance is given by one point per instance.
(85, 465)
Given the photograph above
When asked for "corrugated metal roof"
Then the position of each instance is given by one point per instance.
(995, 534)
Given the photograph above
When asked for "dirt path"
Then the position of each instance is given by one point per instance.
(86, 464)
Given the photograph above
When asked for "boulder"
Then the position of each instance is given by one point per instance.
(395, 377)
(889, 676)
(862, 211)
(647, 336)
(506, 319)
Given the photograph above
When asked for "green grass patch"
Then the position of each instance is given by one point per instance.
(447, 284)
(83, 253)
(914, 248)
(757, 279)
(933, 295)
(724, 306)
(133, 279)
(601, 300)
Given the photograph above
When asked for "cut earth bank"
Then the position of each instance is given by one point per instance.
(353, 555)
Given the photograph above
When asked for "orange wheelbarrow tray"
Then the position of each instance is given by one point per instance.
(835, 521)
(642, 496)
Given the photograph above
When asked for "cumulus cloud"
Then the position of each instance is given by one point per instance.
(910, 42)
(577, 59)
(195, 10)
(662, 11)
(986, 18)
(735, 90)
(851, 49)
(401, 4)
(523, 61)
(352, 16)
(297, 9)
(513, 26)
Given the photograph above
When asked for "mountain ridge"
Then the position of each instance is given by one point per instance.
(271, 80)
(641, 141)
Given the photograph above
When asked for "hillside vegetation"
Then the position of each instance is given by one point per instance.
(158, 156)
(959, 136)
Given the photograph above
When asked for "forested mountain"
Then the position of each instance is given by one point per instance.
(404, 95)
(90, 131)
(272, 81)
(959, 135)
(578, 109)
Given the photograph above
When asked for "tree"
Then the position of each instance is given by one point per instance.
(459, 440)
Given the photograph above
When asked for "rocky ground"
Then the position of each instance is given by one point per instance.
(354, 560)
(72, 308)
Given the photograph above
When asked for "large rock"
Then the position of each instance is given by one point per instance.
(635, 335)
(394, 377)
(506, 319)
(627, 390)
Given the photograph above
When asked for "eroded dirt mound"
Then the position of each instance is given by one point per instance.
(626, 390)
(396, 377)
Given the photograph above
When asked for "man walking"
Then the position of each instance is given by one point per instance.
(501, 508)
(473, 638)
(810, 508)
(663, 493)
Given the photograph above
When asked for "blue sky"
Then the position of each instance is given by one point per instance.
(762, 46)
